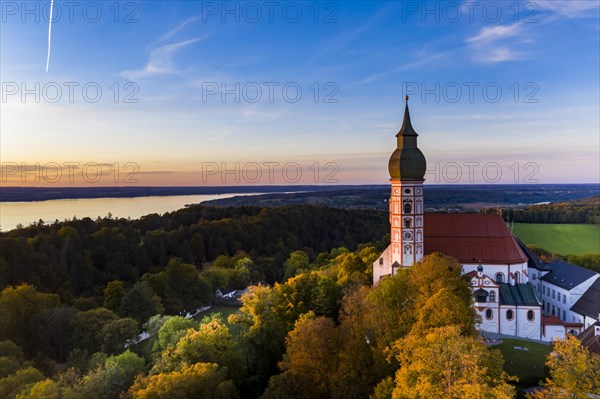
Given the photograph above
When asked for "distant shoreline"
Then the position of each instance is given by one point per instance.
(31, 194)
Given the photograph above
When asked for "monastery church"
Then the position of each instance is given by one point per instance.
(514, 292)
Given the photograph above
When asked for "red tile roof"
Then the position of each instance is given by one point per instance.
(552, 320)
(471, 238)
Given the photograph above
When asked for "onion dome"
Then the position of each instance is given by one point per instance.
(407, 161)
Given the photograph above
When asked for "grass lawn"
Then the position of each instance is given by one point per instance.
(565, 239)
(528, 365)
(225, 311)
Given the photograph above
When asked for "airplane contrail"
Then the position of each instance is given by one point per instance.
(49, 33)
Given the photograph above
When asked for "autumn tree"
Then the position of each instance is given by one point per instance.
(170, 332)
(445, 364)
(199, 380)
(211, 342)
(12, 384)
(312, 356)
(574, 372)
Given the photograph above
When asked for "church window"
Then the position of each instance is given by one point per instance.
(492, 296)
(407, 223)
(407, 191)
(480, 295)
(419, 222)
(530, 315)
(381, 261)
(517, 277)
(499, 278)
(419, 235)
(489, 314)
(407, 207)
(419, 249)
(509, 314)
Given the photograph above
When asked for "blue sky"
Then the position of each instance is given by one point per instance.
(499, 92)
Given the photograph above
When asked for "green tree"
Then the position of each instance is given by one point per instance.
(21, 308)
(109, 380)
(116, 333)
(171, 331)
(211, 342)
(113, 295)
(88, 327)
(298, 261)
(140, 303)
(11, 358)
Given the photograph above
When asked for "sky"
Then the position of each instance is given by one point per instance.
(186, 93)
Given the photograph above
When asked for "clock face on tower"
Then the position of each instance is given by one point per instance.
(407, 235)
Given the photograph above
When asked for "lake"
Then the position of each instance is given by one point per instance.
(13, 213)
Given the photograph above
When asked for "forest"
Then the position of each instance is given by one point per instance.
(75, 295)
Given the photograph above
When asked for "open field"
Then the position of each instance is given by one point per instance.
(565, 239)
(528, 365)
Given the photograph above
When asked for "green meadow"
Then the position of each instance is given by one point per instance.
(564, 239)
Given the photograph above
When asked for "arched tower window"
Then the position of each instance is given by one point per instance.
(517, 277)
(407, 223)
(407, 207)
(407, 250)
(499, 278)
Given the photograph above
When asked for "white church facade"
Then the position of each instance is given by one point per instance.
(498, 265)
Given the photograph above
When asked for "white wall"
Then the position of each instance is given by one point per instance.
(380, 270)
(553, 332)
(567, 299)
(491, 271)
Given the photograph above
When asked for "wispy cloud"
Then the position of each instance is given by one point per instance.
(571, 8)
(342, 40)
(161, 60)
(177, 29)
(490, 34)
(496, 44)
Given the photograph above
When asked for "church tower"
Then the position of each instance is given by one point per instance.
(407, 168)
